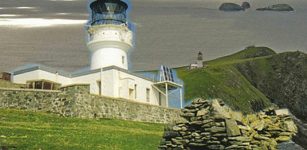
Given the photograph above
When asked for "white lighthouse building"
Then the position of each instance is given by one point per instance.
(110, 40)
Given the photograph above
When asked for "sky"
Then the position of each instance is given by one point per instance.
(168, 32)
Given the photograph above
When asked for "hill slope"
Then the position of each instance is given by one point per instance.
(282, 78)
(221, 79)
(30, 130)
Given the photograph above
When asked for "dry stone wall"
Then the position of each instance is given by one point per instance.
(213, 125)
(75, 101)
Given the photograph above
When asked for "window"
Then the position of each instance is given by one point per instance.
(99, 87)
(30, 85)
(47, 85)
(135, 91)
(148, 95)
(160, 99)
(131, 93)
(38, 85)
(123, 59)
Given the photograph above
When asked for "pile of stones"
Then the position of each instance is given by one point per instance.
(210, 124)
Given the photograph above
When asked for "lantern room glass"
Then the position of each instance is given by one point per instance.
(108, 12)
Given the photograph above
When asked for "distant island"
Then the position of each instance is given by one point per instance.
(234, 7)
(246, 5)
(277, 7)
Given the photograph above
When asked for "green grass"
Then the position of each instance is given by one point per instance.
(249, 53)
(7, 84)
(221, 79)
(33, 130)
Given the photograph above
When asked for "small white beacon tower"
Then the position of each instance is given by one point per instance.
(110, 38)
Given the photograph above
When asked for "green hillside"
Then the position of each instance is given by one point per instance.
(32, 130)
(221, 79)
(282, 78)
(249, 53)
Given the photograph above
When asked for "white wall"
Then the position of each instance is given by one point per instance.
(128, 81)
(39, 75)
(89, 79)
(54, 77)
(116, 84)
(110, 84)
(23, 78)
(105, 57)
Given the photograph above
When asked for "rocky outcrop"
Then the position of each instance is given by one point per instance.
(277, 7)
(301, 136)
(210, 124)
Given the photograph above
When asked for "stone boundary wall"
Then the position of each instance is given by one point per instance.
(77, 102)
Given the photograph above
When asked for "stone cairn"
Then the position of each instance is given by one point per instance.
(210, 124)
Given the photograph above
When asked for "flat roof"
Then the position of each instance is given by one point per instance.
(83, 72)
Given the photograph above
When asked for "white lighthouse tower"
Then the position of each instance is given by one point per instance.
(110, 38)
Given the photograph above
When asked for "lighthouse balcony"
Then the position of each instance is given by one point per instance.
(108, 33)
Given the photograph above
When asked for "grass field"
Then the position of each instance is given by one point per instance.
(32, 130)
